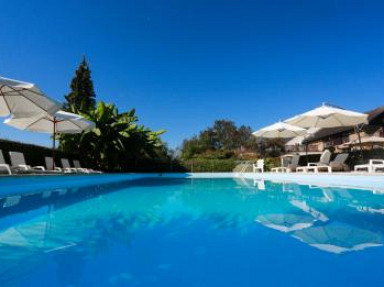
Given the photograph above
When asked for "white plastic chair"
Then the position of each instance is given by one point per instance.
(259, 166)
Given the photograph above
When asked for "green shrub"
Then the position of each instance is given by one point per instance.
(209, 165)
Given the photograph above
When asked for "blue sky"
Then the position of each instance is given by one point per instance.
(183, 64)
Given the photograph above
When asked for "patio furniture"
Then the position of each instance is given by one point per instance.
(21, 99)
(291, 166)
(338, 164)
(280, 130)
(3, 164)
(49, 165)
(373, 166)
(67, 167)
(78, 167)
(327, 116)
(259, 166)
(19, 164)
(58, 123)
(323, 163)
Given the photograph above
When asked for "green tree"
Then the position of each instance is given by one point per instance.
(221, 140)
(82, 95)
(116, 143)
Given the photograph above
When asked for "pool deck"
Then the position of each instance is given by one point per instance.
(31, 184)
(373, 182)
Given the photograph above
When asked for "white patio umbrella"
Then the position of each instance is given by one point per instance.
(328, 117)
(339, 237)
(24, 100)
(60, 122)
(286, 222)
(280, 130)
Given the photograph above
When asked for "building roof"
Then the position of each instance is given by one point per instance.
(375, 114)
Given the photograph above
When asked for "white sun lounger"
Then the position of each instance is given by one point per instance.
(3, 165)
(18, 163)
(49, 165)
(290, 168)
(337, 164)
(314, 166)
(78, 167)
(67, 167)
(372, 166)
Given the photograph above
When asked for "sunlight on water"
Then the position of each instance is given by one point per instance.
(192, 232)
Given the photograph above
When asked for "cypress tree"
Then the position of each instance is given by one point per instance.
(82, 96)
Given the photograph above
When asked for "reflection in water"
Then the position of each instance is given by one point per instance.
(69, 228)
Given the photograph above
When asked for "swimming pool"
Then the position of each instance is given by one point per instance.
(175, 231)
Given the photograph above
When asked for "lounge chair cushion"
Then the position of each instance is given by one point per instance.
(338, 166)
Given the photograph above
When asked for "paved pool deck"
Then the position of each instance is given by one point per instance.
(348, 180)
(373, 182)
(31, 184)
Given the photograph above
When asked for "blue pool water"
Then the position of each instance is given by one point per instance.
(94, 231)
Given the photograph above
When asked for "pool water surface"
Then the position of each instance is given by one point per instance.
(191, 232)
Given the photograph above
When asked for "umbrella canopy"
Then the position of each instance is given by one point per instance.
(286, 222)
(60, 122)
(25, 100)
(299, 140)
(328, 117)
(280, 130)
(338, 237)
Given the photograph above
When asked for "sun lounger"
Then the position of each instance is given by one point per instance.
(259, 166)
(314, 166)
(49, 165)
(67, 167)
(19, 164)
(78, 167)
(373, 166)
(290, 168)
(3, 164)
(338, 164)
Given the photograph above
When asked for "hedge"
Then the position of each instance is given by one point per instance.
(209, 165)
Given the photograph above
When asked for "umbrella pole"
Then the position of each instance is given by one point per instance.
(54, 144)
(358, 129)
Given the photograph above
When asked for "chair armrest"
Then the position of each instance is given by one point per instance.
(312, 163)
(39, 167)
(24, 166)
(376, 161)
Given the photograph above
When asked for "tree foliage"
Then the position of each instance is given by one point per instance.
(222, 140)
(82, 95)
(117, 141)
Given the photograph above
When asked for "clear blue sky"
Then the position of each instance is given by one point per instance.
(183, 64)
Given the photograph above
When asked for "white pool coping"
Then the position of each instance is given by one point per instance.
(12, 185)
(345, 180)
